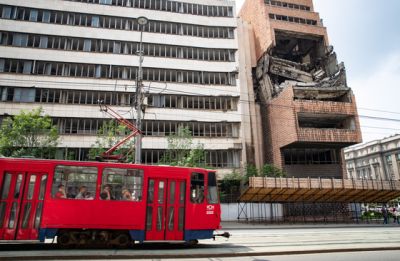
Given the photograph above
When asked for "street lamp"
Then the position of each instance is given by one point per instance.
(142, 21)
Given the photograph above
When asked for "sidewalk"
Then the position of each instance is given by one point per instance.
(233, 225)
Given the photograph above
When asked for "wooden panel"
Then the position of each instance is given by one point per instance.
(319, 190)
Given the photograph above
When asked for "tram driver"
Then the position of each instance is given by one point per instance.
(197, 194)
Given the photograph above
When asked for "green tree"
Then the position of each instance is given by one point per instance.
(107, 136)
(269, 170)
(182, 152)
(250, 171)
(229, 187)
(28, 134)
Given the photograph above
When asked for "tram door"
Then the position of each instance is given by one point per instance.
(165, 209)
(21, 204)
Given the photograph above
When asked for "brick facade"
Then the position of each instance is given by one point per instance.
(256, 13)
(284, 130)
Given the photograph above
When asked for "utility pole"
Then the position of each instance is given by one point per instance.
(139, 95)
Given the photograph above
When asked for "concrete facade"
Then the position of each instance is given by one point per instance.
(66, 55)
(307, 111)
(377, 160)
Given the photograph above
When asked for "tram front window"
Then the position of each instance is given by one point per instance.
(197, 188)
(212, 196)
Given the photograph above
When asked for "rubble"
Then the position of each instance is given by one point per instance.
(299, 61)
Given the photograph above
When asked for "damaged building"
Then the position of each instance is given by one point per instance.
(302, 110)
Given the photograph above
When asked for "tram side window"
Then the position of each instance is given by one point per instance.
(212, 196)
(122, 184)
(73, 182)
(197, 188)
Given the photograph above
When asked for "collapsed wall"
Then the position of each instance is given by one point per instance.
(299, 61)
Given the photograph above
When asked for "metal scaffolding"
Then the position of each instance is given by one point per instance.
(298, 200)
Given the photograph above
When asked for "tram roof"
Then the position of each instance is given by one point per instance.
(282, 190)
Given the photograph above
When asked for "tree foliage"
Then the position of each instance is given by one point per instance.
(251, 171)
(28, 134)
(107, 136)
(182, 151)
(268, 170)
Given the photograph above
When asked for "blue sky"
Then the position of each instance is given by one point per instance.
(366, 37)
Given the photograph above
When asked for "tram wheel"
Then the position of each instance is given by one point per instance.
(64, 239)
(123, 240)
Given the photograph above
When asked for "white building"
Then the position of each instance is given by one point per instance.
(67, 55)
(379, 159)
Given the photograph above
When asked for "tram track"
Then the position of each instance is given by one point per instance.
(243, 243)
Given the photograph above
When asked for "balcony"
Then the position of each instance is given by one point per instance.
(339, 136)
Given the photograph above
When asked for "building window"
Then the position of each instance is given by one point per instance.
(20, 40)
(95, 21)
(350, 173)
(150, 128)
(220, 103)
(122, 72)
(287, 5)
(87, 45)
(46, 17)
(43, 42)
(6, 12)
(292, 19)
(109, 46)
(359, 176)
(213, 158)
(169, 6)
(33, 15)
(311, 156)
(105, 2)
(122, 23)
(24, 95)
(377, 171)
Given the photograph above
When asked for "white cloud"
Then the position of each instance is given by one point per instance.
(380, 91)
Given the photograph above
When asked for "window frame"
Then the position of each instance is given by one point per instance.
(197, 194)
(212, 188)
(54, 186)
(134, 188)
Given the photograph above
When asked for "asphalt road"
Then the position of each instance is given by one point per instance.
(260, 243)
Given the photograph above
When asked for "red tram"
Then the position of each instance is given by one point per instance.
(111, 203)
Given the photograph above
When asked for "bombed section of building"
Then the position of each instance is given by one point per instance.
(303, 62)
(307, 110)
